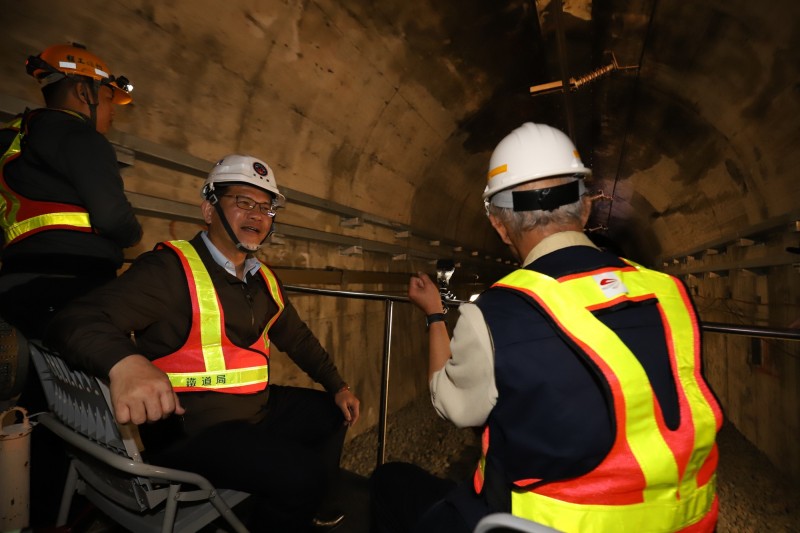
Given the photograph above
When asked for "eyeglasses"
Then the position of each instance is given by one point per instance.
(248, 204)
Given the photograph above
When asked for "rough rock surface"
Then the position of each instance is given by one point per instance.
(754, 495)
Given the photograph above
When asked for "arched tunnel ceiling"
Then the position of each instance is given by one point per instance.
(393, 107)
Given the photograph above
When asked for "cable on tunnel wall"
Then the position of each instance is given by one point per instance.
(631, 111)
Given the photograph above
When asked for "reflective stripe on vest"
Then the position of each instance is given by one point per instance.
(653, 479)
(209, 360)
(21, 217)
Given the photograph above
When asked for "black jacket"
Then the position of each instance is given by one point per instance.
(64, 159)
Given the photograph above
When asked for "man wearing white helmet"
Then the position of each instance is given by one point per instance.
(241, 170)
(201, 380)
(581, 368)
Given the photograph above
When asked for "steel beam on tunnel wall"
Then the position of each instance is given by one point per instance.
(764, 245)
(130, 148)
(160, 207)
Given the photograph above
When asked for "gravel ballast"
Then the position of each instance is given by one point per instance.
(754, 495)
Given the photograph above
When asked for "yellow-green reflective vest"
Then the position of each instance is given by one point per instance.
(653, 479)
(208, 360)
(21, 217)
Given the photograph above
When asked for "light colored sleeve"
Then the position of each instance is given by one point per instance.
(464, 391)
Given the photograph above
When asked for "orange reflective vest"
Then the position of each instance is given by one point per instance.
(653, 479)
(21, 217)
(208, 360)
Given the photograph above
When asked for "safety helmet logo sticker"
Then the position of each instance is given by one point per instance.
(260, 169)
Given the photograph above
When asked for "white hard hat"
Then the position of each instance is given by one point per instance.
(244, 170)
(532, 152)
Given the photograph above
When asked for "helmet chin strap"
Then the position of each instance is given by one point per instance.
(239, 245)
(91, 101)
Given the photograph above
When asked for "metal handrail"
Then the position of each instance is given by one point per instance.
(389, 300)
(712, 327)
(347, 294)
(785, 334)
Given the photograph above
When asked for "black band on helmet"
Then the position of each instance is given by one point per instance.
(547, 199)
(50, 73)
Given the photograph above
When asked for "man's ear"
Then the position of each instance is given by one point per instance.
(85, 94)
(500, 228)
(81, 93)
(207, 210)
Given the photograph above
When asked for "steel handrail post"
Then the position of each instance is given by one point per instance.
(387, 358)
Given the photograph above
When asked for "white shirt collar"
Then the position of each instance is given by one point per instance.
(251, 264)
(557, 241)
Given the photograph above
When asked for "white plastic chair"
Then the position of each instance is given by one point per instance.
(106, 464)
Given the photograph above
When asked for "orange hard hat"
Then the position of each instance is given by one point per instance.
(66, 60)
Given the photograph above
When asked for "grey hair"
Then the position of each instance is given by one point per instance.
(517, 222)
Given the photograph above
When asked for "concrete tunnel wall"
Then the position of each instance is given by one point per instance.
(328, 98)
(381, 108)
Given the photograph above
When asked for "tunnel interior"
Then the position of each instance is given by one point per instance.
(379, 119)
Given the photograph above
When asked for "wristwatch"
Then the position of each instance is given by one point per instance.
(435, 317)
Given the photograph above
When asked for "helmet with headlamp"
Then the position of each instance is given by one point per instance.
(74, 61)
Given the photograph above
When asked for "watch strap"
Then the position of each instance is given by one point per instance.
(435, 317)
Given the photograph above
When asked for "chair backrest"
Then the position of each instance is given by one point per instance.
(498, 522)
(108, 462)
(82, 403)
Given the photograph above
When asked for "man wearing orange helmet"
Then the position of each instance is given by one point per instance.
(65, 221)
(63, 210)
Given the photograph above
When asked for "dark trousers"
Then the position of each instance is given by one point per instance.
(29, 306)
(288, 461)
(405, 498)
